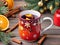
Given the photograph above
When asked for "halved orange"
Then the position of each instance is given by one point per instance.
(10, 3)
(4, 23)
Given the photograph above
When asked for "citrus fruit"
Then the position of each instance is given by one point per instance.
(4, 23)
(10, 3)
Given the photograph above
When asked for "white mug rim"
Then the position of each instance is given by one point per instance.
(34, 12)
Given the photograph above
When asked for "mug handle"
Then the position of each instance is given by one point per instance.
(47, 18)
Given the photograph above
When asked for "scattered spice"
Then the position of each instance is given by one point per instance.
(16, 40)
(42, 39)
(12, 28)
(13, 11)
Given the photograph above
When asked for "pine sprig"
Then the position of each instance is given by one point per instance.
(3, 8)
(51, 5)
(30, 6)
(4, 38)
(32, 1)
(1, 3)
(36, 8)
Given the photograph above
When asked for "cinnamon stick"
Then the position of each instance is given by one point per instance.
(42, 39)
(14, 27)
(13, 11)
(16, 41)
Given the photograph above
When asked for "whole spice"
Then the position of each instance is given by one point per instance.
(42, 39)
(13, 11)
(14, 27)
(16, 40)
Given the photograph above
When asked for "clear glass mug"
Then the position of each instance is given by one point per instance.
(30, 30)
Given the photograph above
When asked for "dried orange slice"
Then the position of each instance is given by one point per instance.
(10, 3)
(4, 23)
(29, 15)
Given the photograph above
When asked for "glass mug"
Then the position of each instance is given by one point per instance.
(30, 30)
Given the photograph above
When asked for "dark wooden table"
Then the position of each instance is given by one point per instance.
(53, 30)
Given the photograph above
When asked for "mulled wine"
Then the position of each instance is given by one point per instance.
(30, 25)
(28, 16)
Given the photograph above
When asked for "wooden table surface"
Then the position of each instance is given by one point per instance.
(53, 30)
